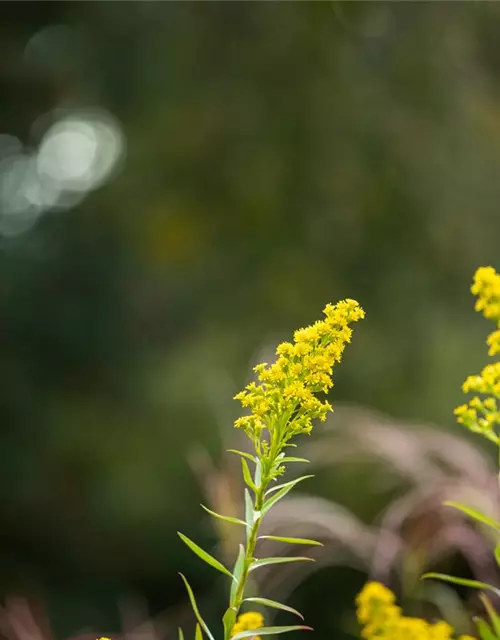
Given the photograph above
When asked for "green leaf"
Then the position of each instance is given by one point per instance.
(201, 553)
(195, 608)
(484, 630)
(280, 494)
(274, 605)
(290, 484)
(292, 459)
(262, 562)
(269, 631)
(494, 617)
(313, 543)
(474, 584)
(225, 518)
(181, 634)
(238, 570)
(477, 515)
(497, 554)
(248, 456)
(228, 621)
(247, 476)
(249, 510)
(198, 635)
(258, 473)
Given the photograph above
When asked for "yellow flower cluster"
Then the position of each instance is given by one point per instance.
(381, 619)
(247, 622)
(284, 400)
(483, 416)
(486, 287)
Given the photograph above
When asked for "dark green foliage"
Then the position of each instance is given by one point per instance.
(280, 155)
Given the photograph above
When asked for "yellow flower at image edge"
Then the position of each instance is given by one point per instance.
(482, 415)
(247, 622)
(486, 287)
(381, 619)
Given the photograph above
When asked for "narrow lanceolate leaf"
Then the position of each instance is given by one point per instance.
(484, 630)
(181, 634)
(195, 608)
(258, 473)
(247, 475)
(225, 518)
(237, 573)
(497, 554)
(290, 484)
(248, 456)
(204, 555)
(262, 562)
(228, 621)
(293, 459)
(249, 510)
(494, 617)
(313, 543)
(274, 605)
(477, 515)
(269, 631)
(281, 493)
(198, 635)
(474, 584)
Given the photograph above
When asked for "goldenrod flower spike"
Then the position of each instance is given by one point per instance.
(281, 403)
(284, 401)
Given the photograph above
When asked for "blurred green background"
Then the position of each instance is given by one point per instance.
(263, 159)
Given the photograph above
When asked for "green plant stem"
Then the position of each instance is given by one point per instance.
(251, 544)
(251, 541)
(277, 442)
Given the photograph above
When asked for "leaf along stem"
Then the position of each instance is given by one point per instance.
(251, 544)
(265, 472)
(251, 539)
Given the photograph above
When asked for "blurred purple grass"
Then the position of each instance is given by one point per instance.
(428, 466)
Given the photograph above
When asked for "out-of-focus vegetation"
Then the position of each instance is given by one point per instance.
(276, 156)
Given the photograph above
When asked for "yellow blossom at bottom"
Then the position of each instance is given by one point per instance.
(381, 619)
(247, 622)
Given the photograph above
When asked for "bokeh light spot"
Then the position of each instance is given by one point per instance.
(80, 151)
